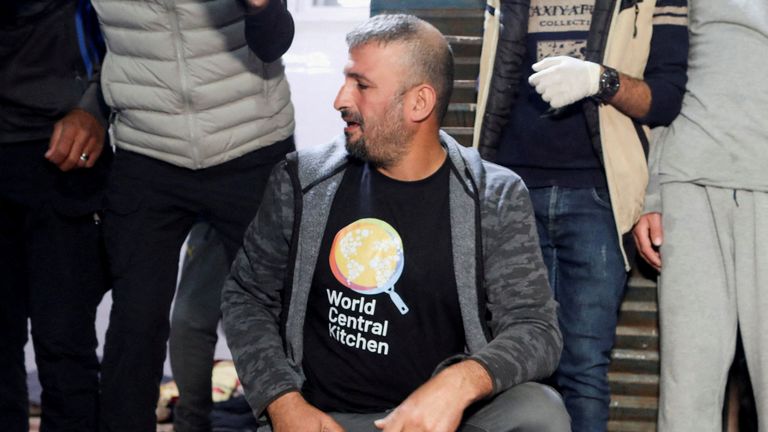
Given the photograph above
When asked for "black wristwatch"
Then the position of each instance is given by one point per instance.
(609, 84)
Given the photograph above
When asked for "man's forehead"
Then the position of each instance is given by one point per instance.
(370, 57)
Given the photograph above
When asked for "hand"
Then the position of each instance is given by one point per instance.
(438, 405)
(564, 80)
(649, 234)
(292, 413)
(76, 142)
(256, 5)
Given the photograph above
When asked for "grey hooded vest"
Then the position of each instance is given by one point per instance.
(184, 86)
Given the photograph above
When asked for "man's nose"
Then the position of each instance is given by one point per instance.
(342, 98)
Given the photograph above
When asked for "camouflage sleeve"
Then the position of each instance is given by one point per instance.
(251, 298)
(526, 340)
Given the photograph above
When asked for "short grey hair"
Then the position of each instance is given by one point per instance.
(430, 61)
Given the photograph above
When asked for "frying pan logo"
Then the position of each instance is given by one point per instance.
(367, 257)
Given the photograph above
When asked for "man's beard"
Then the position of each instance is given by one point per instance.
(383, 142)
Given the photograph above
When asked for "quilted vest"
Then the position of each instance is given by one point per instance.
(183, 84)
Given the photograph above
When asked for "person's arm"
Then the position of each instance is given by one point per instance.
(78, 138)
(92, 100)
(666, 76)
(251, 310)
(653, 100)
(292, 413)
(648, 232)
(633, 97)
(665, 72)
(649, 235)
(269, 28)
(256, 6)
(564, 80)
(439, 404)
(252, 299)
(526, 340)
(77, 141)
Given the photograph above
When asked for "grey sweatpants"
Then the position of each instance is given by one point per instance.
(714, 278)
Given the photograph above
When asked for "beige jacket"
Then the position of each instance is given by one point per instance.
(621, 144)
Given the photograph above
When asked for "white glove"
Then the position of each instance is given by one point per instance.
(564, 80)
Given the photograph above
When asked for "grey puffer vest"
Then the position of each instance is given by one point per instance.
(183, 84)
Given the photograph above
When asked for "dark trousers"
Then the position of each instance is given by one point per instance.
(52, 272)
(151, 206)
(194, 324)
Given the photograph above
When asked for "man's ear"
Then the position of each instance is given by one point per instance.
(421, 102)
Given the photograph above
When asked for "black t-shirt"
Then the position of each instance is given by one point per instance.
(383, 309)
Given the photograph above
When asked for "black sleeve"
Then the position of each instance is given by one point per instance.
(269, 33)
(665, 72)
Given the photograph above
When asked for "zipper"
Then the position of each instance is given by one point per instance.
(183, 78)
(637, 12)
(112, 125)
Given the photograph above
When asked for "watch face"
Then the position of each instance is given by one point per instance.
(609, 84)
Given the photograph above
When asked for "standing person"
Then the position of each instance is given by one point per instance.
(200, 121)
(576, 130)
(709, 193)
(392, 279)
(52, 173)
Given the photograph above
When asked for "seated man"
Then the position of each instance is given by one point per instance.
(393, 280)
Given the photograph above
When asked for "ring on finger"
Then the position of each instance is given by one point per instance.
(84, 157)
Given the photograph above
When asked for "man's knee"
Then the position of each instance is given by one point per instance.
(543, 410)
(528, 407)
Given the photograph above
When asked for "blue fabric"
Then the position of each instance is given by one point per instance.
(89, 38)
(82, 44)
(586, 271)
